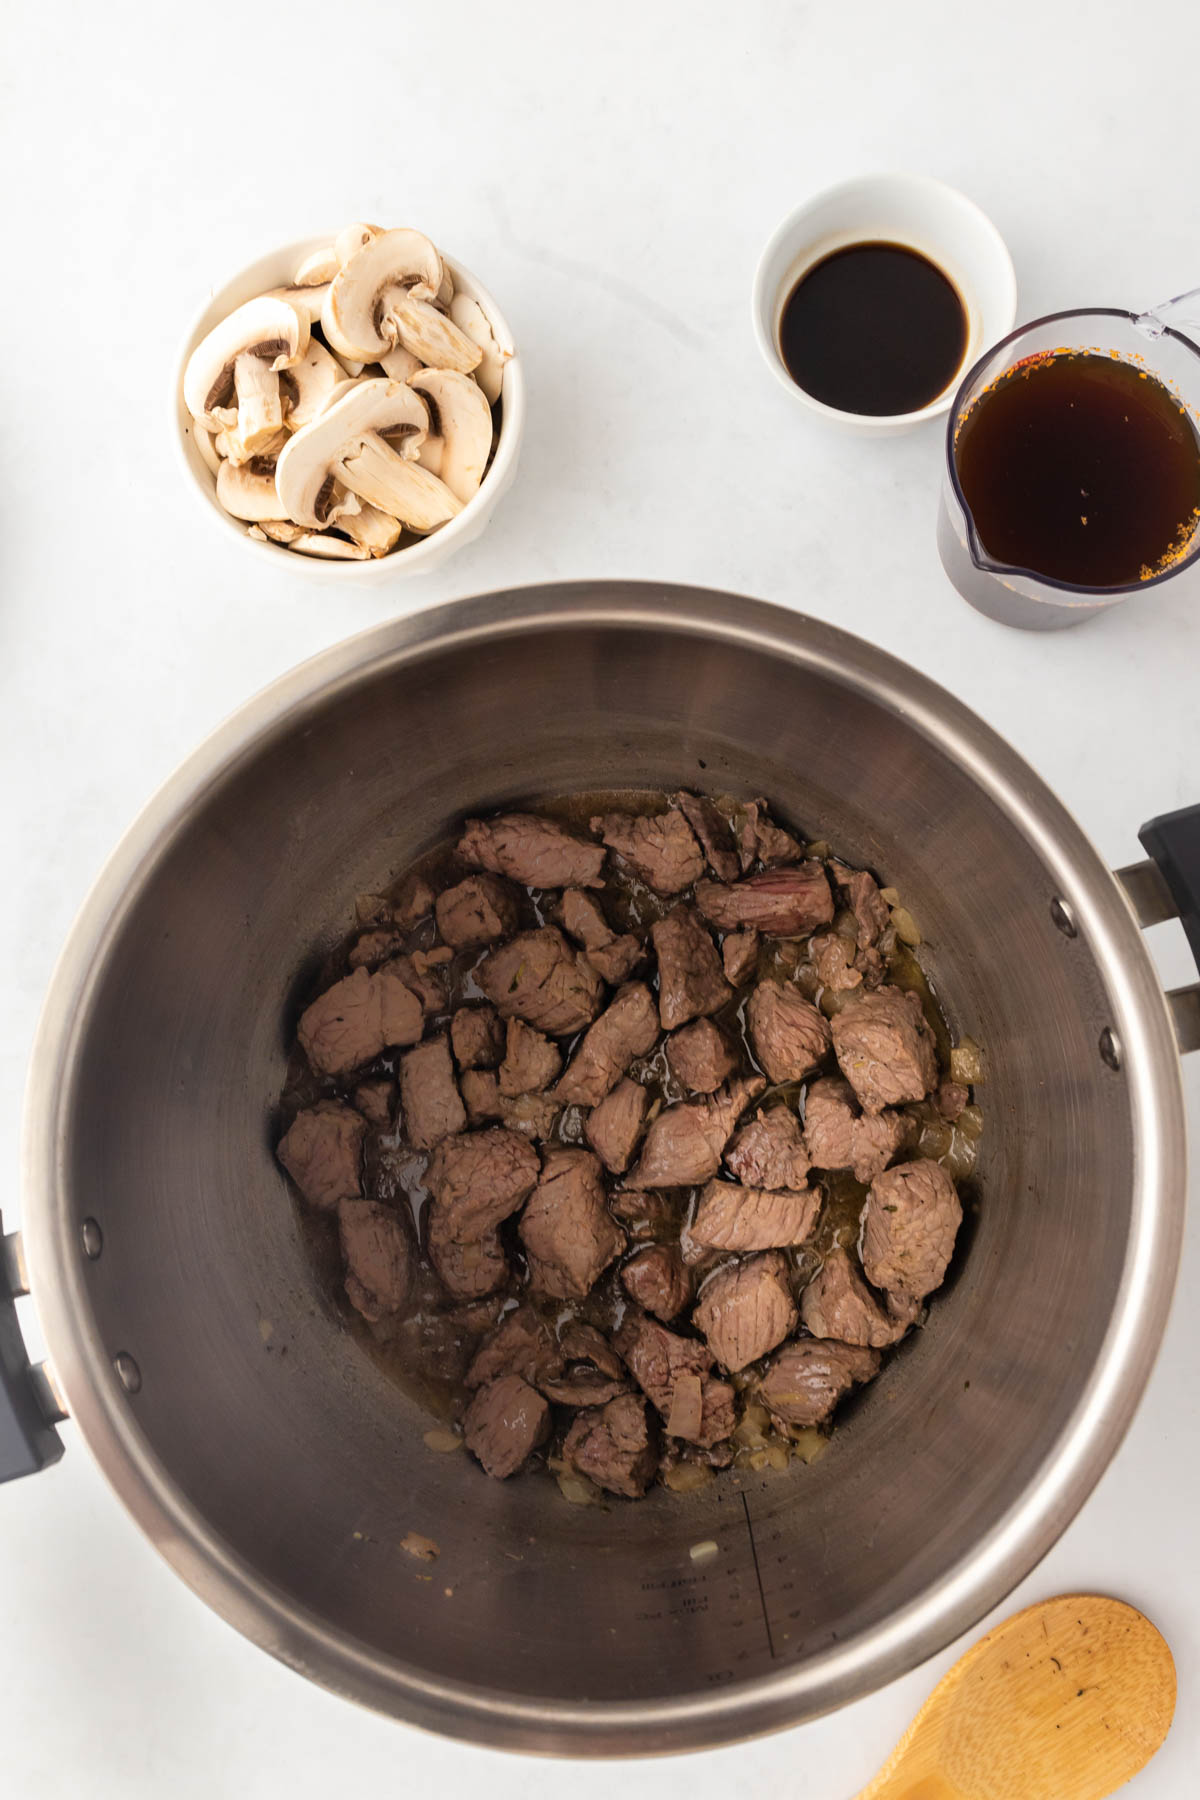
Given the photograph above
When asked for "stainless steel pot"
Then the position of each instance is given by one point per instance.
(275, 1467)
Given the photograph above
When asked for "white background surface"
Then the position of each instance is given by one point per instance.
(611, 173)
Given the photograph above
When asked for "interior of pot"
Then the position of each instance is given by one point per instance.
(293, 1446)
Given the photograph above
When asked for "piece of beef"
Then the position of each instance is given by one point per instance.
(530, 1063)
(910, 1222)
(713, 831)
(805, 1380)
(885, 1048)
(626, 1029)
(504, 1424)
(745, 1309)
(700, 1056)
(423, 973)
(837, 1303)
(833, 958)
(521, 1344)
(662, 851)
(839, 1137)
(657, 1279)
(480, 1091)
(691, 984)
(581, 918)
(413, 902)
(533, 1115)
(597, 1373)
(475, 1318)
(477, 1037)
(617, 961)
(685, 1142)
(867, 904)
(322, 1152)
(429, 1097)
(480, 910)
(730, 1217)
(613, 1127)
(584, 1387)
(877, 1139)
(645, 1214)
(789, 1036)
(568, 1233)
(479, 1178)
(761, 840)
(613, 1447)
(537, 977)
(951, 1098)
(581, 1342)
(658, 1359)
(535, 851)
(376, 1100)
(375, 947)
(378, 1251)
(739, 955)
(468, 1267)
(357, 1018)
(779, 903)
(769, 1152)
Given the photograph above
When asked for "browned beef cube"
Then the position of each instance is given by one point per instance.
(521, 1344)
(581, 918)
(613, 1127)
(477, 1036)
(730, 1217)
(951, 1098)
(663, 851)
(659, 1360)
(779, 903)
(539, 978)
(613, 1447)
(532, 850)
(645, 1214)
(761, 840)
(413, 902)
(375, 947)
(429, 1099)
(378, 1252)
(910, 1222)
(866, 902)
(422, 972)
(805, 1380)
(839, 1137)
(746, 1309)
(583, 1387)
(656, 1278)
(597, 1374)
(833, 959)
(700, 1056)
(322, 1152)
(713, 831)
(480, 910)
(376, 1100)
(475, 1180)
(685, 1142)
(769, 1152)
(568, 1233)
(616, 962)
(877, 1139)
(885, 1048)
(530, 1063)
(533, 1115)
(504, 1424)
(690, 980)
(480, 1091)
(626, 1029)
(468, 1267)
(581, 1342)
(739, 955)
(837, 1303)
(357, 1018)
(789, 1036)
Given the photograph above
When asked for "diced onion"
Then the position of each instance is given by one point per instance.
(966, 1063)
(423, 1548)
(440, 1439)
(687, 1477)
(702, 1552)
(808, 1443)
(905, 926)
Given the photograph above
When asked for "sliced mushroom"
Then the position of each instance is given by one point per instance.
(309, 384)
(471, 319)
(333, 549)
(350, 240)
(206, 445)
(460, 416)
(318, 268)
(344, 445)
(279, 531)
(372, 529)
(384, 296)
(228, 445)
(351, 365)
(248, 491)
(232, 376)
(399, 363)
(307, 301)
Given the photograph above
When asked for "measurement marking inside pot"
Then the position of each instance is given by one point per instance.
(758, 1577)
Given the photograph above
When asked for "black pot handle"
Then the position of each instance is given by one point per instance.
(1173, 840)
(29, 1409)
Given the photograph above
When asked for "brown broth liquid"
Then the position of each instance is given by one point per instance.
(1082, 468)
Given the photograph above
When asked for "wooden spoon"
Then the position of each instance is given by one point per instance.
(1065, 1701)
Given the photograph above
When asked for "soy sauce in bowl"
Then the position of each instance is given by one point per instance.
(875, 328)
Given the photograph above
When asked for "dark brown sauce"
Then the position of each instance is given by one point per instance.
(1082, 468)
(875, 328)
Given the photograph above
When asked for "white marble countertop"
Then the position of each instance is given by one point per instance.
(611, 175)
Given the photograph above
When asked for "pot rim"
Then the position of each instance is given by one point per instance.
(968, 1589)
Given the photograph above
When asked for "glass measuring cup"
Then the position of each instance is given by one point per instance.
(1022, 597)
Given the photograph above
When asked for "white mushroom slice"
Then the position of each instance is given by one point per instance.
(471, 319)
(431, 453)
(279, 531)
(430, 334)
(238, 365)
(334, 549)
(372, 529)
(399, 363)
(460, 416)
(351, 365)
(309, 384)
(344, 445)
(248, 491)
(350, 240)
(307, 301)
(445, 293)
(384, 296)
(228, 444)
(318, 268)
(206, 445)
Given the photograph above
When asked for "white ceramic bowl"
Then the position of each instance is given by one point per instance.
(913, 210)
(277, 270)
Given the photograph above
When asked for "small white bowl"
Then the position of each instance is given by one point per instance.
(277, 270)
(913, 210)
